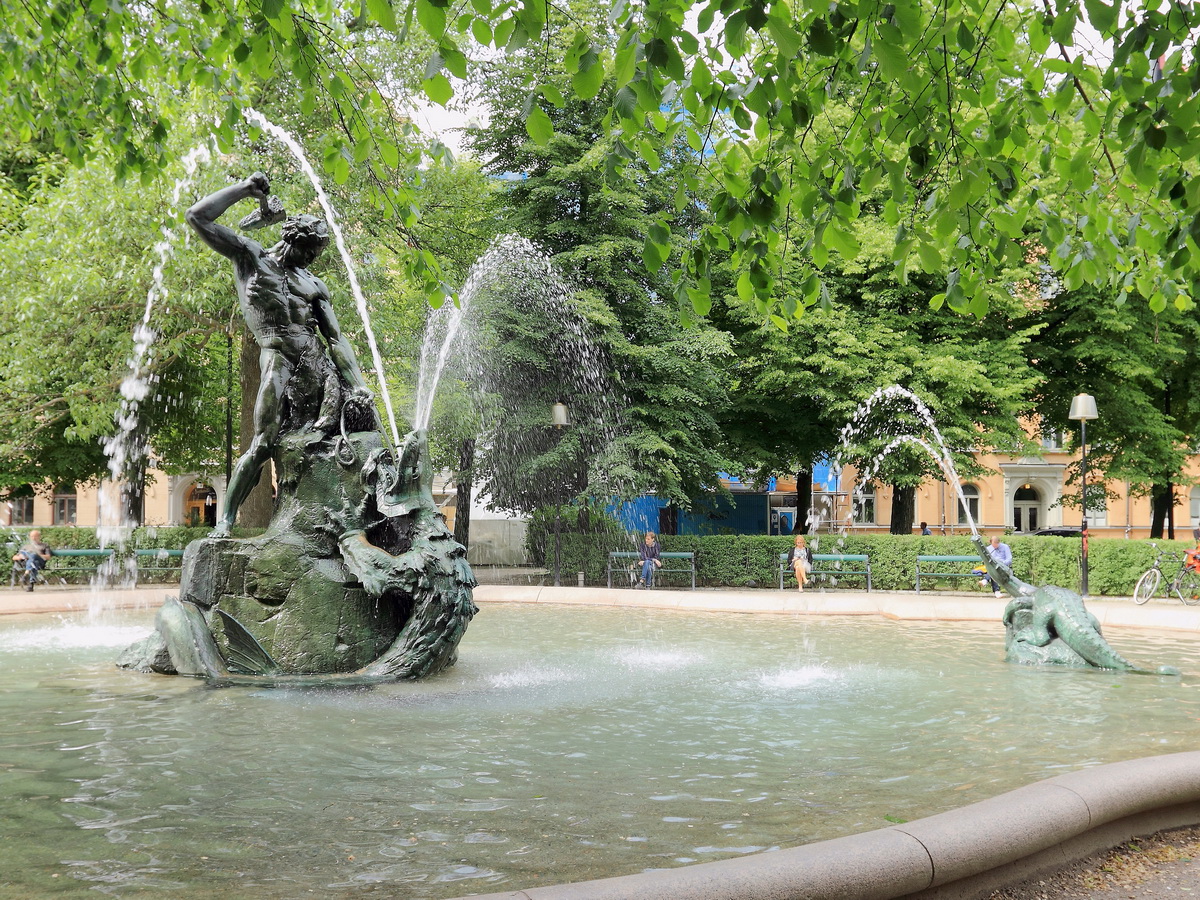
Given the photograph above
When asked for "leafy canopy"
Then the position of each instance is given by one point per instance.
(962, 109)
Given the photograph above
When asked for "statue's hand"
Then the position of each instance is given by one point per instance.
(259, 185)
(362, 395)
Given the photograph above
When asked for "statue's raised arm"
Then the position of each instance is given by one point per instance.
(203, 215)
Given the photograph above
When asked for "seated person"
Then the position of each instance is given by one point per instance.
(33, 554)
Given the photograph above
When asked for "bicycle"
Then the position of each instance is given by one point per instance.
(1185, 584)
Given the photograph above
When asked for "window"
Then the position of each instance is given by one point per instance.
(20, 511)
(864, 504)
(1051, 439)
(1194, 510)
(65, 506)
(1097, 502)
(968, 506)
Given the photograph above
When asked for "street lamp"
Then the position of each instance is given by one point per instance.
(1083, 408)
(558, 418)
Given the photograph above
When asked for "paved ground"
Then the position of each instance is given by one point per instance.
(1164, 865)
(939, 605)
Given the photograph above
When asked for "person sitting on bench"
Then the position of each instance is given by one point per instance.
(34, 554)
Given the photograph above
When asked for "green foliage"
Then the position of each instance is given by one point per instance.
(796, 390)
(970, 118)
(75, 287)
(1139, 365)
(752, 561)
(595, 223)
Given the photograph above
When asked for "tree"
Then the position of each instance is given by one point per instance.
(796, 392)
(594, 222)
(74, 291)
(1140, 366)
(962, 107)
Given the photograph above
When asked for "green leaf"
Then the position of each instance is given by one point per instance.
(786, 36)
(1101, 16)
(654, 255)
(745, 288)
(538, 126)
(381, 11)
(432, 18)
(820, 39)
(626, 61)
(481, 31)
(649, 154)
(438, 89)
(590, 77)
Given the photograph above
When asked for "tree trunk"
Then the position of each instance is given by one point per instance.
(133, 492)
(904, 509)
(260, 503)
(803, 501)
(1171, 511)
(462, 489)
(1162, 500)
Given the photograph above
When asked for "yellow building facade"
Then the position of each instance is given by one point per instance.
(1021, 495)
(170, 500)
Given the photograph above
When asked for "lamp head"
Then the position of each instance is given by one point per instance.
(1083, 407)
(558, 415)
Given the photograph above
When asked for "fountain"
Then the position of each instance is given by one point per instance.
(357, 577)
(126, 449)
(1046, 625)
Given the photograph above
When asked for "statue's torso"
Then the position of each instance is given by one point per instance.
(279, 304)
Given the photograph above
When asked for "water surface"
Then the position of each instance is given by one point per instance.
(567, 744)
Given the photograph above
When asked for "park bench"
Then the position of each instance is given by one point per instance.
(831, 565)
(77, 563)
(932, 566)
(674, 562)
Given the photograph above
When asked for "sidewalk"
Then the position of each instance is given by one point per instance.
(77, 597)
(1112, 612)
(902, 605)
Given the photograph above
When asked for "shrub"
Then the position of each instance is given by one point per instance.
(740, 561)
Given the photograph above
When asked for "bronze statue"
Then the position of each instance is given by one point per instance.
(287, 309)
(357, 578)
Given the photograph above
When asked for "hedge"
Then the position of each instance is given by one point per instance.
(146, 538)
(745, 561)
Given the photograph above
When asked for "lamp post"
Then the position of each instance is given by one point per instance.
(1083, 408)
(558, 418)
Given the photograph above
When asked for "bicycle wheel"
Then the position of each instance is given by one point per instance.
(1189, 587)
(1147, 586)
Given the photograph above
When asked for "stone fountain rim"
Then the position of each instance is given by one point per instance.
(963, 853)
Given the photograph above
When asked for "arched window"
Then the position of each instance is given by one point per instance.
(864, 505)
(971, 498)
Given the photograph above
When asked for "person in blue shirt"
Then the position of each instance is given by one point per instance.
(1001, 554)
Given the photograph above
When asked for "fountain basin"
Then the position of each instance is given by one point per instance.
(568, 744)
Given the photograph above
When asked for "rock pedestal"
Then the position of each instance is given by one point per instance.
(357, 574)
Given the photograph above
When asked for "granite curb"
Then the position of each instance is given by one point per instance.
(958, 855)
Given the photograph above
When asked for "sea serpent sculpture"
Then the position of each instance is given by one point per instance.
(1050, 625)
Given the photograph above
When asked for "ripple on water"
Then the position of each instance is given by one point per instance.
(655, 659)
(71, 636)
(532, 676)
